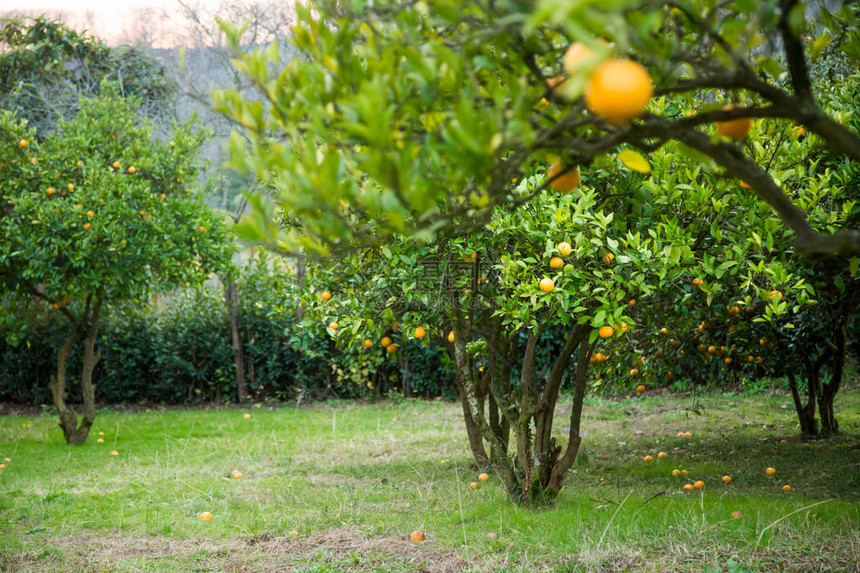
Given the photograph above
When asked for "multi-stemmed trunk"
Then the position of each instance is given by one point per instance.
(534, 472)
(820, 395)
(75, 432)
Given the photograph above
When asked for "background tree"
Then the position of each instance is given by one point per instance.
(46, 67)
(97, 213)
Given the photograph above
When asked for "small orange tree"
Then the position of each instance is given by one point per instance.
(97, 213)
(493, 300)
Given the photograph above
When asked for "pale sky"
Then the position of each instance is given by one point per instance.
(112, 20)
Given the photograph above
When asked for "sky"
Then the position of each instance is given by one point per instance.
(114, 21)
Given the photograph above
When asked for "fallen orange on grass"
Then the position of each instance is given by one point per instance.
(699, 484)
(473, 485)
(114, 453)
(770, 471)
(484, 477)
(727, 479)
(246, 416)
(206, 516)
(648, 458)
(786, 487)
(737, 515)
(417, 536)
(237, 474)
(688, 487)
(661, 455)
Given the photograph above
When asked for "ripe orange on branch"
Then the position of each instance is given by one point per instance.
(386, 342)
(565, 182)
(547, 284)
(734, 128)
(326, 295)
(420, 332)
(556, 263)
(606, 331)
(618, 91)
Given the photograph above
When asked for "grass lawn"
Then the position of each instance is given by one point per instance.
(339, 487)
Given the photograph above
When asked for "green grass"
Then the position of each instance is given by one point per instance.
(340, 486)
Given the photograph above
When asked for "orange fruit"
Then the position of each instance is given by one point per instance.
(451, 336)
(473, 485)
(91, 213)
(737, 515)
(547, 284)
(712, 349)
(648, 458)
(786, 487)
(798, 131)
(71, 186)
(688, 487)
(775, 294)
(699, 484)
(50, 191)
(116, 164)
(573, 57)
(206, 516)
(87, 226)
(608, 258)
(474, 256)
(770, 471)
(114, 453)
(420, 332)
(622, 328)
(631, 302)
(697, 281)
(684, 472)
(483, 477)
(728, 360)
(132, 169)
(201, 228)
(247, 416)
(745, 185)
(392, 348)
(367, 343)
(237, 475)
(676, 473)
(100, 440)
(332, 325)
(618, 91)
(661, 455)
(606, 331)
(734, 128)
(326, 295)
(556, 263)
(417, 536)
(163, 196)
(23, 143)
(634, 372)
(565, 182)
(664, 330)
(386, 342)
(564, 248)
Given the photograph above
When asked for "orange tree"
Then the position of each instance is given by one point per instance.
(552, 277)
(413, 117)
(750, 307)
(96, 213)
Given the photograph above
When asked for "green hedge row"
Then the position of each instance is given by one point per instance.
(180, 351)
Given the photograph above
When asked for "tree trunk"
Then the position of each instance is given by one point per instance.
(231, 296)
(805, 414)
(57, 386)
(829, 425)
(574, 440)
(88, 389)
